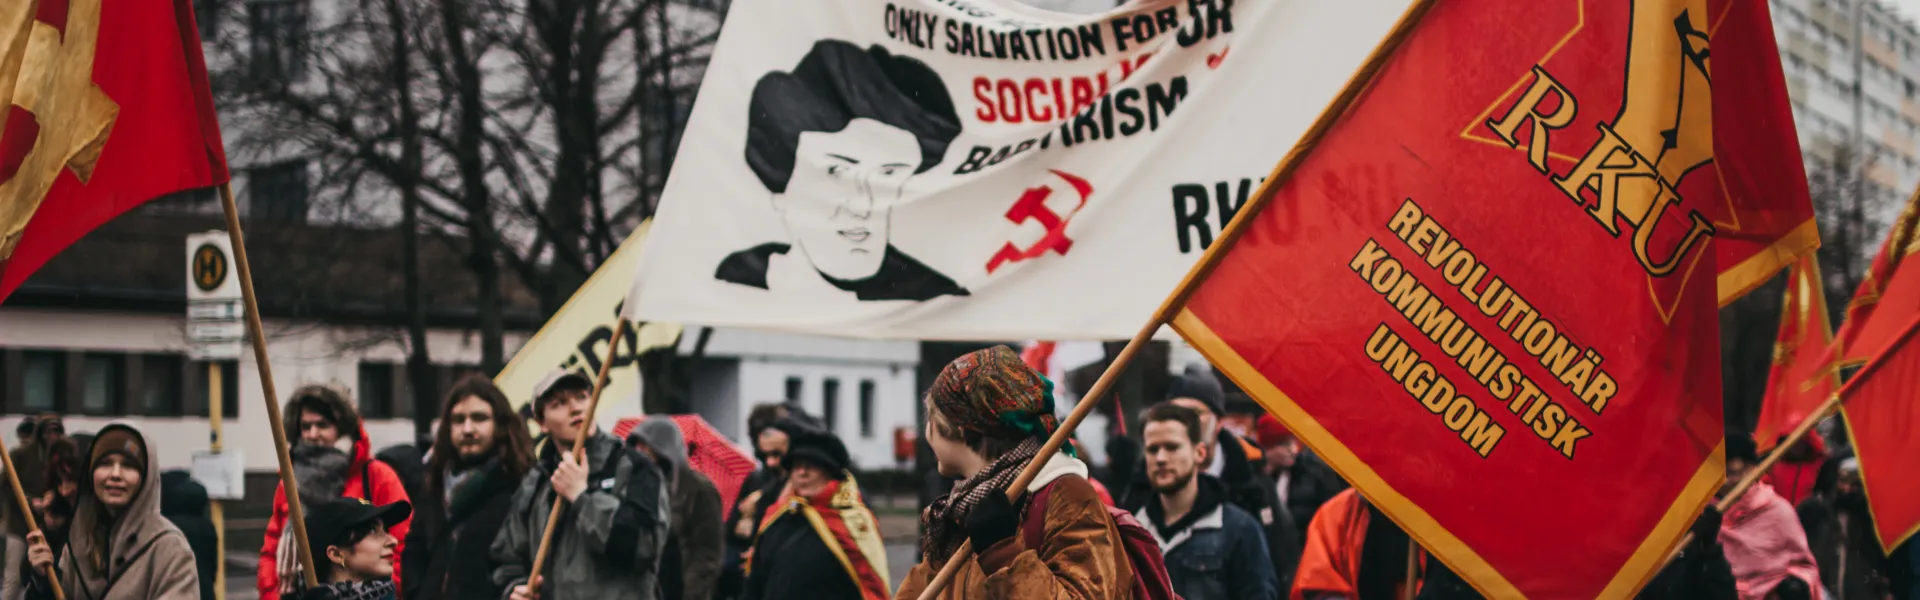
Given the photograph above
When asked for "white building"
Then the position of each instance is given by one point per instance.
(1817, 53)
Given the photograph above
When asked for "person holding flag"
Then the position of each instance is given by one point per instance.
(121, 548)
(326, 421)
(354, 549)
(614, 528)
(988, 414)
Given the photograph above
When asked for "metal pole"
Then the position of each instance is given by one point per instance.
(216, 405)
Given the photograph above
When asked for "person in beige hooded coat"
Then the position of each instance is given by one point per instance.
(121, 548)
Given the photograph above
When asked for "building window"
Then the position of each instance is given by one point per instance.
(277, 39)
(830, 403)
(206, 15)
(279, 192)
(43, 377)
(159, 386)
(793, 389)
(101, 387)
(866, 408)
(376, 391)
(229, 389)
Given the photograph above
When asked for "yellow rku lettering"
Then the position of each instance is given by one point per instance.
(1528, 108)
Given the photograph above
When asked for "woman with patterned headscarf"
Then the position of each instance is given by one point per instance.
(988, 414)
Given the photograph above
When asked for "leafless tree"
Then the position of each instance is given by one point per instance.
(527, 135)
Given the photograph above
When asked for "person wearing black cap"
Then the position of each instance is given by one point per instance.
(120, 547)
(818, 540)
(353, 549)
(614, 526)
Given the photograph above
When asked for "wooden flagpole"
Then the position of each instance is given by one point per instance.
(1826, 409)
(26, 512)
(579, 453)
(1177, 300)
(292, 487)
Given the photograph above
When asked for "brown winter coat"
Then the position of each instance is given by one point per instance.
(146, 558)
(1080, 558)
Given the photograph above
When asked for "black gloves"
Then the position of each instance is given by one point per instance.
(992, 520)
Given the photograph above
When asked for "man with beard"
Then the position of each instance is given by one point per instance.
(325, 420)
(1213, 549)
(480, 452)
(613, 527)
(691, 564)
(1236, 463)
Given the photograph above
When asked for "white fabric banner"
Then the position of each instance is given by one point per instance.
(980, 169)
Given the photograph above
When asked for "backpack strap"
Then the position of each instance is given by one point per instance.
(1033, 524)
(366, 482)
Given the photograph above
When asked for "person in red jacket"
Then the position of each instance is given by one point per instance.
(332, 459)
(1793, 476)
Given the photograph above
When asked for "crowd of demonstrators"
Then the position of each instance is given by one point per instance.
(119, 546)
(1213, 549)
(988, 414)
(480, 453)
(332, 460)
(1237, 464)
(690, 566)
(614, 525)
(817, 538)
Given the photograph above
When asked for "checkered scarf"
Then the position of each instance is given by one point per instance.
(946, 519)
(992, 392)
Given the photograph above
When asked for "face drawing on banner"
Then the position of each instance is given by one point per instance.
(835, 142)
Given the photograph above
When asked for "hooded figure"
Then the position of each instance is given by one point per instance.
(183, 501)
(135, 555)
(325, 473)
(690, 565)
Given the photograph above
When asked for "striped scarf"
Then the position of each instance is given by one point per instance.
(946, 519)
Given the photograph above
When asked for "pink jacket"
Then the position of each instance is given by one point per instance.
(1764, 543)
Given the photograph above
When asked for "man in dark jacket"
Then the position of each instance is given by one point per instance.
(614, 524)
(1229, 460)
(183, 501)
(691, 566)
(480, 452)
(1214, 550)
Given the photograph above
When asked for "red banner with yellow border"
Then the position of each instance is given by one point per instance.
(1487, 296)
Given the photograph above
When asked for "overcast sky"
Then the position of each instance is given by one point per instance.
(1909, 8)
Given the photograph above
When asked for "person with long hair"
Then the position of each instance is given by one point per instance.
(119, 546)
(480, 452)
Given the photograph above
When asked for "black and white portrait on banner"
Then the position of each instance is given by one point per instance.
(835, 141)
(979, 169)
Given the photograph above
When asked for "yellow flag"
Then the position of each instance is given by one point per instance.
(576, 337)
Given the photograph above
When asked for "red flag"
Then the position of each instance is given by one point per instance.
(1883, 416)
(1803, 376)
(1487, 295)
(110, 109)
(1893, 283)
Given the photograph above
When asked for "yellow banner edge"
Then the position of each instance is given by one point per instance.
(1750, 274)
(1443, 544)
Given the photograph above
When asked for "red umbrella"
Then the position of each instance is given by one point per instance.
(711, 454)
